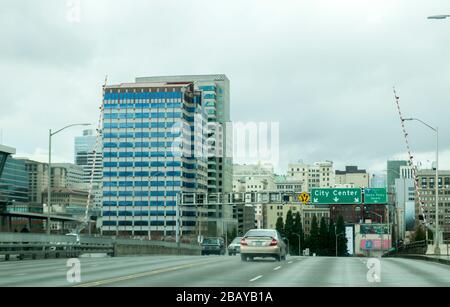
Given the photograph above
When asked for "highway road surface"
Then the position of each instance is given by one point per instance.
(222, 271)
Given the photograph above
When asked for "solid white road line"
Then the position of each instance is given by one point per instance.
(277, 268)
(20, 274)
(290, 262)
(256, 278)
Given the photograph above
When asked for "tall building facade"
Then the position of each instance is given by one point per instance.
(318, 175)
(14, 187)
(152, 135)
(38, 180)
(427, 186)
(216, 97)
(67, 175)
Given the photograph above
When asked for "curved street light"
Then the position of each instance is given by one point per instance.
(49, 194)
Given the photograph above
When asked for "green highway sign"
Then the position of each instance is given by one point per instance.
(336, 196)
(375, 196)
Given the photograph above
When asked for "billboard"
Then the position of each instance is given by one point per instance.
(375, 244)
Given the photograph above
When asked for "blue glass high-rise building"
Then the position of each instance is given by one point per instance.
(152, 150)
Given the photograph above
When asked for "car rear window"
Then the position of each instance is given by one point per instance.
(261, 233)
(211, 241)
(237, 240)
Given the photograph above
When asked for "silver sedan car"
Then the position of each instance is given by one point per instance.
(263, 243)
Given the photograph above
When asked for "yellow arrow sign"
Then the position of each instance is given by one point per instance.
(304, 198)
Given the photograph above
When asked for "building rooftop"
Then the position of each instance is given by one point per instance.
(7, 149)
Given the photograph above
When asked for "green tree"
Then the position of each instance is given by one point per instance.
(331, 238)
(313, 238)
(342, 240)
(323, 237)
(289, 229)
(298, 229)
(419, 234)
(280, 225)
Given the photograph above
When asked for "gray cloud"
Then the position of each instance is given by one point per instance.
(323, 69)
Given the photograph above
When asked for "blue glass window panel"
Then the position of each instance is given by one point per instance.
(157, 164)
(142, 115)
(142, 105)
(142, 154)
(157, 184)
(110, 145)
(172, 173)
(158, 105)
(111, 106)
(125, 213)
(173, 144)
(126, 135)
(126, 125)
(107, 154)
(141, 203)
(158, 135)
(110, 184)
(110, 125)
(125, 223)
(158, 144)
(173, 183)
(141, 144)
(141, 164)
(124, 203)
(141, 183)
(174, 105)
(140, 223)
(109, 203)
(125, 154)
(173, 164)
(142, 125)
(125, 193)
(125, 183)
(125, 174)
(189, 175)
(158, 115)
(141, 193)
(110, 174)
(156, 154)
(156, 174)
(157, 223)
(109, 223)
(140, 213)
(109, 164)
(110, 116)
(171, 203)
(110, 135)
(142, 134)
(109, 193)
(125, 145)
(171, 213)
(158, 125)
(125, 164)
(156, 203)
(173, 115)
(157, 193)
(109, 213)
(141, 174)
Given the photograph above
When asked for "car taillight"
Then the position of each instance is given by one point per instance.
(274, 242)
(243, 242)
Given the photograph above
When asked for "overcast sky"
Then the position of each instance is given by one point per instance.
(323, 69)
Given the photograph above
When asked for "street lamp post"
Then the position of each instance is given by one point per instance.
(437, 250)
(299, 243)
(49, 177)
(438, 17)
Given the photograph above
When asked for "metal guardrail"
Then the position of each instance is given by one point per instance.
(416, 248)
(45, 246)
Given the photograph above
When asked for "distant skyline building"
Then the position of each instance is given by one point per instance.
(318, 175)
(358, 178)
(88, 155)
(153, 140)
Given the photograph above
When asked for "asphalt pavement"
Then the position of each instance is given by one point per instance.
(224, 271)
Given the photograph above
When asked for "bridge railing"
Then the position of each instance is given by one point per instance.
(414, 248)
(44, 246)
